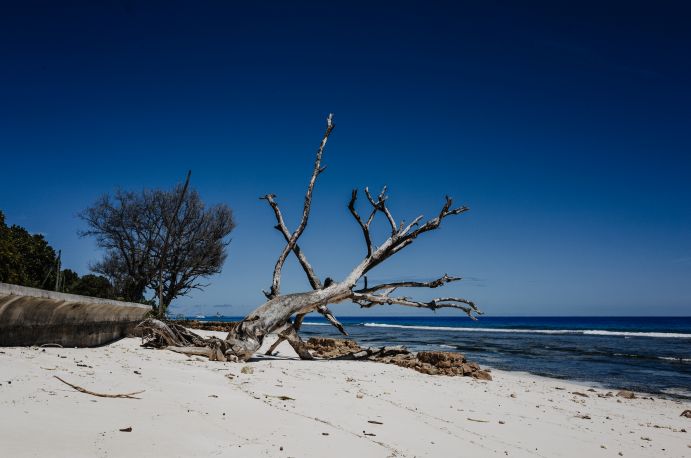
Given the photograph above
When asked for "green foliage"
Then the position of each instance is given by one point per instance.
(8, 253)
(91, 285)
(28, 260)
(25, 259)
(68, 278)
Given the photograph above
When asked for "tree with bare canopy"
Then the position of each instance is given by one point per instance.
(283, 314)
(158, 240)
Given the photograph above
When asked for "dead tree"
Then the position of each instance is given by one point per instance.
(282, 314)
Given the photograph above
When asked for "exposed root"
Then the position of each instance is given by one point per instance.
(173, 337)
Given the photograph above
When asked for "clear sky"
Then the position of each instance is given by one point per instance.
(565, 126)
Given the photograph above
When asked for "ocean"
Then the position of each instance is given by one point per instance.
(638, 353)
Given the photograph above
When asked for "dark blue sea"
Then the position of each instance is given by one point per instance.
(642, 354)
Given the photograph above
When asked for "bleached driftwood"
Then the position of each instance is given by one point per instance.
(283, 313)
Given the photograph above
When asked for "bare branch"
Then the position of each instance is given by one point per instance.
(434, 223)
(410, 284)
(170, 230)
(363, 226)
(412, 224)
(380, 205)
(369, 300)
(296, 326)
(315, 283)
(101, 395)
(324, 310)
(312, 277)
(276, 283)
(401, 239)
(290, 334)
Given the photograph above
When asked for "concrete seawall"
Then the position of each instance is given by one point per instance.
(30, 316)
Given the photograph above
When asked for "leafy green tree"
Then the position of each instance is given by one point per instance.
(25, 259)
(8, 254)
(68, 280)
(92, 285)
(28, 260)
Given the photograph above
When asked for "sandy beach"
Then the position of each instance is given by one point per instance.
(281, 406)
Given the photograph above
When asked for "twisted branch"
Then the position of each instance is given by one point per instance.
(324, 310)
(380, 204)
(276, 283)
(369, 300)
(312, 277)
(401, 236)
(434, 223)
(314, 281)
(410, 284)
(363, 226)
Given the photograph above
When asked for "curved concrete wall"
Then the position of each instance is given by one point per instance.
(30, 316)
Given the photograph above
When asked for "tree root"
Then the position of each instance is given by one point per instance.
(174, 337)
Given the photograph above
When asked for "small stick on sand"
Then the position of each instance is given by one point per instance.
(101, 395)
(282, 398)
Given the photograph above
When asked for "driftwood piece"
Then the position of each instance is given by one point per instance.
(283, 314)
(174, 337)
(100, 395)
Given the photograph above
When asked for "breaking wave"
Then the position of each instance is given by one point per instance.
(595, 332)
(674, 358)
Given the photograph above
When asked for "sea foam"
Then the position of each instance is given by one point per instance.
(535, 331)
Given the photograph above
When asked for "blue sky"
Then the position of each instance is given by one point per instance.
(565, 126)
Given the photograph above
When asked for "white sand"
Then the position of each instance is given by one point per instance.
(191, 408)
